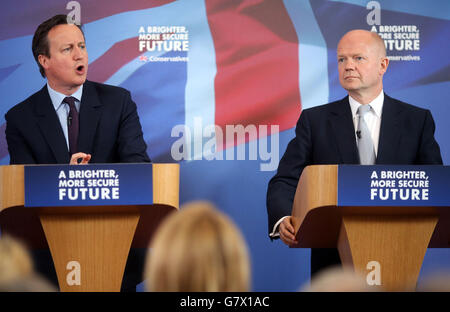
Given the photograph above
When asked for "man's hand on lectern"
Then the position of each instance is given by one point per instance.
(80, 159)
(287, 232)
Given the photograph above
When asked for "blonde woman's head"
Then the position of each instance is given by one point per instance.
(198, 249)
(15, 261)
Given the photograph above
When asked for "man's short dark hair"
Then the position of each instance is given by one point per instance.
(40, 39)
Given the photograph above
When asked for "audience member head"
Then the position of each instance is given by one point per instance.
(338, 279)
(15, 260)
(16, 268)
(436, 282)
(29, 283)
(198, 249)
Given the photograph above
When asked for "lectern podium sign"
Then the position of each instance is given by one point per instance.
(91, 215)
(393, 185)
(88, 185)
(381, 218)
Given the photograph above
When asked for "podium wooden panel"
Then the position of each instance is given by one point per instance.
(395, 237)
(96, 237)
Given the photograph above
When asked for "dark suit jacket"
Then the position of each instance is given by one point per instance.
(109, 128)
(326, 135)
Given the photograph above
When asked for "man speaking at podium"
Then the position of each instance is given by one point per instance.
(367, 127)
(72, 120)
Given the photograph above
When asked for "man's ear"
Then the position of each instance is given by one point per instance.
(384, 65)
(43, 60)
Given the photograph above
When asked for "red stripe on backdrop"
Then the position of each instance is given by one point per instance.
(112, 60)
(257, 79)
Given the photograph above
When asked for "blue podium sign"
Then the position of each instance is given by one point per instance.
(88, 185)
(393, 185)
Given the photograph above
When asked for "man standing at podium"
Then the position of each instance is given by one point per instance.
(73, 120)
(367, 127)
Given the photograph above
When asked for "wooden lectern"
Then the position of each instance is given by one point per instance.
(396, 237)
(93, 239)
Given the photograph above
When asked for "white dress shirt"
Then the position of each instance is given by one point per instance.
(62, 109)
(372, 118)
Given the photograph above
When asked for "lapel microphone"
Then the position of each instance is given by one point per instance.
(358, 134)
(69, 120)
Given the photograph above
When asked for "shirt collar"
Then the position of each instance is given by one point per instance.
(377, 104)
(58, 97)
